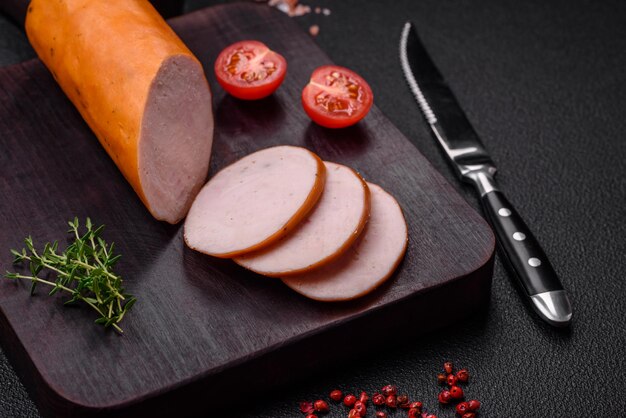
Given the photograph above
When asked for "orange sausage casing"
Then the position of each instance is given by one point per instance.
(138, 87)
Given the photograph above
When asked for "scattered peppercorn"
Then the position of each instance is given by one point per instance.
(378, 399)
(473, 405)
(321, 406)
(456, 392)
(306, 407)
(445, 396)
(389, 390)
(390, 398)
(354, 414)
(336, 395)
(360, 408)
(414, 413)
(462, 375)
(416, 405)
(349, 400)
(462, 408)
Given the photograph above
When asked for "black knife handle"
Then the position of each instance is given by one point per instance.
(529, 261)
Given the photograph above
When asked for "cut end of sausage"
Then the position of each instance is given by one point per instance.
(255, 201)
(176, 138)
(368, 263)
(329, 230)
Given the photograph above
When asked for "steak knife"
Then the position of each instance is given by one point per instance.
(472, 164)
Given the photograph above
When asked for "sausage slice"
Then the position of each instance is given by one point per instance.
(368, 263)
(327, 232)
(138, 87)
(255, 201)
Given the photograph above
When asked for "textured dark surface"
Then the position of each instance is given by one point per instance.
(202, 324)
(543, 84)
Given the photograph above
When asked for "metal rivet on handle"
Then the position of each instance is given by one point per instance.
(519, 236)
(504, 212)
(534, 262)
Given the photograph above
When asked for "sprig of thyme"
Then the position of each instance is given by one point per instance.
(84, 270)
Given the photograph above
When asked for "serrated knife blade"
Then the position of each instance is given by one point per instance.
(470, 160)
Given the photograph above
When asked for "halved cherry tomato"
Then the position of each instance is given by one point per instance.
(336, 97)
(249, 70)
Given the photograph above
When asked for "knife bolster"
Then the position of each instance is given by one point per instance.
(482, 177)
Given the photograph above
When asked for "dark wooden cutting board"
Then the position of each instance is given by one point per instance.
(202, 326)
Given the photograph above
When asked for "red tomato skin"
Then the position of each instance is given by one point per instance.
(250, 92)
(324, 118)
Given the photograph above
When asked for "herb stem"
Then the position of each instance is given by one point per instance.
(118, 329)
(38, 280)
(90, 267)
(83, 270)
(67, 289)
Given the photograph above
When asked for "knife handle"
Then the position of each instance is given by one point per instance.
(528, 260)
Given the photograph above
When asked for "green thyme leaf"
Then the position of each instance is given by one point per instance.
(84, 271)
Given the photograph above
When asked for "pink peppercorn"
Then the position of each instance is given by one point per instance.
(378, 399)
(349, 400)
(321, 406)
(414, 413)
(444, 397)
(416, 405)
(336, 395)
(360, 408)
(456, 392)
(306, 407)
(462, 375)
(389, 390)
(474, 405)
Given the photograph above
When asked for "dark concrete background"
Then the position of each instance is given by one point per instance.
(543, 84)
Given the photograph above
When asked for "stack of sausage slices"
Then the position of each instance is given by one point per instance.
(318, 226)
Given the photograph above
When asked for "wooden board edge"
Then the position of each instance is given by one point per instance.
(294, 361)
